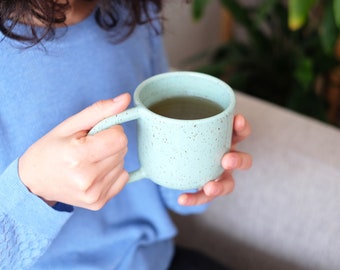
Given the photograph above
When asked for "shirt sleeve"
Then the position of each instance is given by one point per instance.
(27, 224)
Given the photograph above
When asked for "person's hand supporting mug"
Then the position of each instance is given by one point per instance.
(232, 160)
(68, 166)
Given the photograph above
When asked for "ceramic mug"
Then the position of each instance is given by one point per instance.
(175, 153)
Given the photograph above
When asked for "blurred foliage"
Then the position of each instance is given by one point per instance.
(285, 55)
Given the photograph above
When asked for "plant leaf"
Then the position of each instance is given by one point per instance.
(244, 17)
(328, 31)
(239, 12)
(304, 73)
(197, 8)
(336, 10)
(298, 13)
(264, 9)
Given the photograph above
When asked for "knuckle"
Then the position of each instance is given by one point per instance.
(246, 161)
(124, 140)
(117, 139)
(99, 105)
(95, 206)
(229, 186)
(92, 199)
(120, 136)
(249, 161)
(124, 152)
(76, 154)
(119, 183)
(124, 176)
(83, 183)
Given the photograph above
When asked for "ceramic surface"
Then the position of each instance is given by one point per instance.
(179, 154)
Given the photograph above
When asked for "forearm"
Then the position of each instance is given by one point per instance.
(27, 224)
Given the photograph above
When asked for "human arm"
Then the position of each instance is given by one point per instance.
(28, 224)
(67, 165)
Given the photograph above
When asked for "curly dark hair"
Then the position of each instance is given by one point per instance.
(50, 12)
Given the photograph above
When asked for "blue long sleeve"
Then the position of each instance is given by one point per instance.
(42, 86)
(27, 224)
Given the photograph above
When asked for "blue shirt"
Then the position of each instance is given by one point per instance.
(40, 87)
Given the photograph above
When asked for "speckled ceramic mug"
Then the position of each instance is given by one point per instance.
(179, 154)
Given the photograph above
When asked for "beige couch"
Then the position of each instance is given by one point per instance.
(285, 211)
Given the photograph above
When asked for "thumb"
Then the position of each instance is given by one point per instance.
(90, 116)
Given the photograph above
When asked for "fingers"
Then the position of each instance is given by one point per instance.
(241, 129)
(98, 195)
(68, 166)
(106, 143)
(99, 171)
(223, 185)
(237, 160)
(230, 161)
(101, 182)
(209, 192)
(120, 183)
(220, 187)
(90, 116)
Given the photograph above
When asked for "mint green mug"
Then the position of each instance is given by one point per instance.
(179, 153)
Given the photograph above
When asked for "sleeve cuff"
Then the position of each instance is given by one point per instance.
(28, 209)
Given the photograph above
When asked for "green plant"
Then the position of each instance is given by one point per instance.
(288, 48)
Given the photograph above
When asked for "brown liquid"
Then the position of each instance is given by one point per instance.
(186, 108)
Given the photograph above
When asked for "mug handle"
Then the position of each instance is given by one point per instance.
(125, 116)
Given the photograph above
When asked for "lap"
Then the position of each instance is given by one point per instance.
(188, 259)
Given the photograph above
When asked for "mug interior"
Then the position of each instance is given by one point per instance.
(184, 83)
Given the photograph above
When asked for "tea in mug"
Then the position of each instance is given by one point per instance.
(186, 108)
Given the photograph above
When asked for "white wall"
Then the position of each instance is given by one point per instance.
(184, 38)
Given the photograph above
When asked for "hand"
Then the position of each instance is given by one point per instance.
(67, 165)
(232, 160)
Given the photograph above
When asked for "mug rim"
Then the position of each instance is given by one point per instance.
(229, 110)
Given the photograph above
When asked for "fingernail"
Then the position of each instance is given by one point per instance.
(241, 122)
(118, 98)
(183, 199)
(214, 192)
(231, 162)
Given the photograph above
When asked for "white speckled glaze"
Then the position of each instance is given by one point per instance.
(179, 154)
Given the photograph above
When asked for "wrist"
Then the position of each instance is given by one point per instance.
(20, 165)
